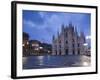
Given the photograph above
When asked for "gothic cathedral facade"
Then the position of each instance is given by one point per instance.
(68, 41)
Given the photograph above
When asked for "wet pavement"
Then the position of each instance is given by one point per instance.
(37, 62)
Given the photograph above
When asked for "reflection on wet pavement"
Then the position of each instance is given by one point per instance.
(35, 62)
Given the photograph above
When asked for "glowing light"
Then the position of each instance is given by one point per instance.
(41, 47)
(48, 51)
(85, 44)
(88, 37)
(27, 43)
(23, 44)
(37, 49)
(35, 45)
(85, 63)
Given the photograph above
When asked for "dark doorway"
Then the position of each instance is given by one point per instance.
(67, 51)
(78, 51)
(73, 52)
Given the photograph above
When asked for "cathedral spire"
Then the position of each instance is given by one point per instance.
(62, 27)
(70, 24)
(58, 33)
(75, 29)
(82, 36)
(53, 38)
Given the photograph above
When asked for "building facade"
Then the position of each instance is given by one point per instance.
(25, 44)
(35, 47)
(68, 42)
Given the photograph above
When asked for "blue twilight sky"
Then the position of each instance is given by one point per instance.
(41, 25)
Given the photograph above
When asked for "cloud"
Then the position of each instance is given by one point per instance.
(44, 25)
(54, 22)
(42, 14)
(29, 23)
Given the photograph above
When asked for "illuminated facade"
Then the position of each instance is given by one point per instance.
(68, 42)
(25, 44)
(34, 47)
